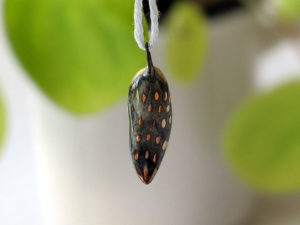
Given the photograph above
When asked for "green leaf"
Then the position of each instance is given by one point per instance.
(81, 53)
(262, 140)
(186, 41)
(288, 10)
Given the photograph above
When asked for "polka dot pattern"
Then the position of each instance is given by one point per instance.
(150, 122)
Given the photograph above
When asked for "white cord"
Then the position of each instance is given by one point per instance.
(138, 23)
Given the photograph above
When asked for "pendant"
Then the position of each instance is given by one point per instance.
(150, 119)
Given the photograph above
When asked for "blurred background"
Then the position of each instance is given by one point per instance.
(233, 68)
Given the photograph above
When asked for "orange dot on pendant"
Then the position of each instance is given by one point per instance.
(136, 156)
(143, 98)
(168, 108)
(156, 96)
(159, 109)
(140, 121)
(165, 96)
(164, 146)
(148, 137)
(163, 123)
(157, 140)
(154, 158)
(154, 123)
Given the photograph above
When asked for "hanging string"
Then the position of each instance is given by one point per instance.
(138, 23)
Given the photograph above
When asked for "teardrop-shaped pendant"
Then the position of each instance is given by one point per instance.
(150, 119)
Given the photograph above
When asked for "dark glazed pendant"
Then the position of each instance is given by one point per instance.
(150, 119)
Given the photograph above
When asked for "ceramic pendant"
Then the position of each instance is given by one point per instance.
(150, 119)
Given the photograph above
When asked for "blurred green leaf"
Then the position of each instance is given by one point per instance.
(186, 40)
(81, 53)
(289, 10)
(262, 141)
